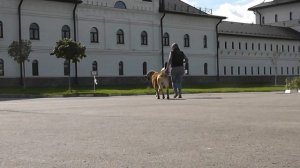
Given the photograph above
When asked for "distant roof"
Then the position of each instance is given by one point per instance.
(179, 7)
(67, 1)
(256, 30)
(273, 3)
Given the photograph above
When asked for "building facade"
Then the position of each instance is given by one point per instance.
(125, 39)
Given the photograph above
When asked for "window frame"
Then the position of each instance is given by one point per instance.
(1, 29)
(144, 38)
(34, 31)
(94, 35)
(166, 39)
(186, 40)
(120, 37)
(1, 67)
(35, 68)
(66, 32)
(205, 41)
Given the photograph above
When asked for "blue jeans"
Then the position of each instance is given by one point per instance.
(177, 74)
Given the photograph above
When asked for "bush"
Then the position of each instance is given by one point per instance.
(293, 83)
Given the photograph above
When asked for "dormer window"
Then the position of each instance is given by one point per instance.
(120, 5)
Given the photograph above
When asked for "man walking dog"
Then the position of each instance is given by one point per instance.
(176, 60)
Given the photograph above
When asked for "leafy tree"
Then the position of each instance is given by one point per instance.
(19, 51)
(70, 50)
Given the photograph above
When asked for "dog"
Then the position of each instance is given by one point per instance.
(159, 80)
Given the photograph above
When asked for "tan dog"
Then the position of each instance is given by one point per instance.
(160, 80)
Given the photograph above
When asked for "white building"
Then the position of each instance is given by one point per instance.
(125, 39)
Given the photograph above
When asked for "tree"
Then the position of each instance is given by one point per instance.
(274, 61)
(20, 51)
(70, 50)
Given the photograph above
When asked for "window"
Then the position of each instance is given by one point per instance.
(145, 68)
(271, 47)
(65, 32)
(263, 20)
(258, 46)
(120, 36)
(225, 45)
(95, 66)
(1, 67)
(205, 69)
(287, 71)
(270, 70)
(1, 29)
(281, 70)
(239, 70)
(291, 15)
(144, 38)
(205, 41)
(166, 39)
(252, 72)
(34, 31)
(232, 45)
(246, 46)
(239, 45)
(186, 40)
(252, 46)
(35, 68)
(282, 48)
(231, 70)
(276, 18)
(225, 70)
(94, 35)
(264, 70)
(265, 47)
(246, 71)
(294, 49)
(120, 5)
(258, 70)
(121, 68)
(293, 71)
(66, 68)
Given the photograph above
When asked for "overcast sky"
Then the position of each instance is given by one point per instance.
(234, 10)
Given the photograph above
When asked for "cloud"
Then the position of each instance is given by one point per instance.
(236, 11)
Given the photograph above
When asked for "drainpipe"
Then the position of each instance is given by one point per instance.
(162, 32)
(20, 39)
(75, 37)
(218, 45)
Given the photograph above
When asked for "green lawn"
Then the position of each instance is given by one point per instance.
(135, 90)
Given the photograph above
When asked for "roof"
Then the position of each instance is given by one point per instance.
(256, 30)
(179, 7)
(67, 1)
(272, 3)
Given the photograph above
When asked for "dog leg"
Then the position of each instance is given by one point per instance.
(168, 97)
(162, 92)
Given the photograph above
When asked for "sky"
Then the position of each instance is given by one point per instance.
(234, 10)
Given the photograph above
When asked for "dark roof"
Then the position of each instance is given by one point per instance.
(179, 7)
(255, 30)
(67, 1)
(273, 3)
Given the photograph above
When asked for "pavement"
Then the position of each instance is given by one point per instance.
(207, 130)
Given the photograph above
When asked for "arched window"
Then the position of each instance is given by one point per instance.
(120, 36)
(231, 69)
(186, 40)
(120, 5)
(225, 70)
(66, 32)
(291, 15)
(94, 35)
(225, 45)
(246, 71)
(166, 39)
(144, 68)
(263, 20)
(1, 29)
(121, 68)
(35, 68)
(232, 45)
(34, 31)
(66, 68)
(144, 38)
(95, 66)
(258, 71)
(205, 69)
(276, 18)
(246, 46)
(1, 67)
(252, 71)
(239, 70)
(270, 70)
(205, 41)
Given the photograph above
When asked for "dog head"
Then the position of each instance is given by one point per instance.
(149, 75)
(163, 71)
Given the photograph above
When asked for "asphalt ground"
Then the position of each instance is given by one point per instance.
(220, 130)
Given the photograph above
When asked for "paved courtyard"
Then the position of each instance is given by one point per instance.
(220, 130)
